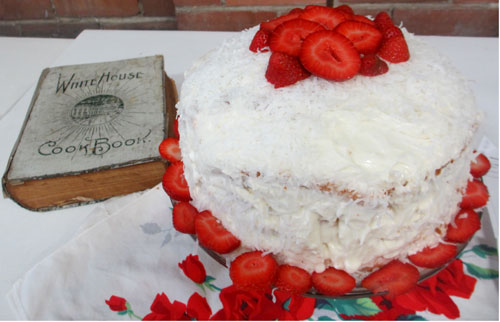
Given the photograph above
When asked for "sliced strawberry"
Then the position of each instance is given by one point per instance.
(296, 10)
(435, 256)
(395, 277)
(480, 166)
(260, 41)
(287, 38)
(176, 128)
(463, 227)
(330, 55)
(183, 215)
(383, 21)
(272, 24)
(363, 19)
(293, 280)
(174, 183)
(213, 235)
(476, 195)
(328, 17)
(284, 70)
(333, 282)
(366, 38)
(253, 271)
(169, 149)
(371, 65)
(392, 31)
(345, 8)
(394, 50)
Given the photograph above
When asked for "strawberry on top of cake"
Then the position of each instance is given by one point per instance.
(337, 145)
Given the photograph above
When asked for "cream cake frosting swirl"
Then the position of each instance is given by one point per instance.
(345, 174)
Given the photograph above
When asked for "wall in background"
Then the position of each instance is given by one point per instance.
(67, 18)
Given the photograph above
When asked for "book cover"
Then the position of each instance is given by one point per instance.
(92, 132)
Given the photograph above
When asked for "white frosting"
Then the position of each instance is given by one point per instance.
(325, 173)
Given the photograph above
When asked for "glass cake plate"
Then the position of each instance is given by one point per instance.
(358, 291)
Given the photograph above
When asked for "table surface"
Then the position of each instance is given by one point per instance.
(27, 237)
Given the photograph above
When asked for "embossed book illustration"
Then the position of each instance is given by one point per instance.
(92, 132)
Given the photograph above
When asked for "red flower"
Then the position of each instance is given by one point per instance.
(433, 295)
(163, 310)
(247, 305)
(117, 303)
(198, 308)
(300, 307)
(253, 305)
(193, 269)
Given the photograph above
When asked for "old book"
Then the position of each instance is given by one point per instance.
(92, 132)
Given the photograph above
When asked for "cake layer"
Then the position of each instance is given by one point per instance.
(327, 173)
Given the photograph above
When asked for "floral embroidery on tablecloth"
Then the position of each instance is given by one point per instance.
(433, 295)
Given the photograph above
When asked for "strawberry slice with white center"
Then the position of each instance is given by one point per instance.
(293, 280)
(169, 149)
(366, 38)
(330, 55)
(212, 234)
(253, 271)
(174, 183)
(326, 16)
(476, 195)
(183, 215)
(463, 227)
(287, 38)
(395, 277)
(432, 257)
(480, 166)
(272, 24)
(260, 41)
(333, 282)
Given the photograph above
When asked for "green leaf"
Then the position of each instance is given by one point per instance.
(479, 272)
(287, 304)
(484, 250)
(325, 318)
(209, 278)
(362, 306)
(410, 317)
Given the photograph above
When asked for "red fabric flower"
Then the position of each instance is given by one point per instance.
(433, 295)
(163, 310)
(198, 308)
(247, 305)
(300, 308)
(193, 268)
(117, 303)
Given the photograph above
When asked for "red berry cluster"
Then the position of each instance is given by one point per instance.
(258, 271)
(332, 43)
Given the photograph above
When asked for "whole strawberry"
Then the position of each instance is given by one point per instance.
(394, 50)
(284, 70)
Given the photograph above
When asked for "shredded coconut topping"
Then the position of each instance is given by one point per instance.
(327, 173)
